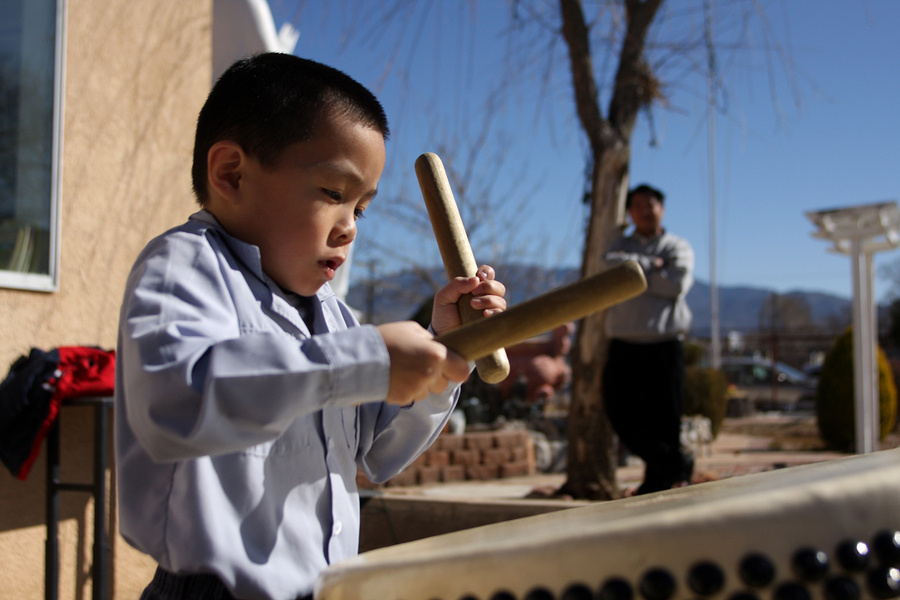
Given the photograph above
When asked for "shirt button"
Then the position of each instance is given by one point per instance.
(337, 528)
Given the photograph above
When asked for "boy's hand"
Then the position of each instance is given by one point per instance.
(487, 296)
(419, 365)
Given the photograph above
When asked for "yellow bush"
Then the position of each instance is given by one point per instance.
(835, 402)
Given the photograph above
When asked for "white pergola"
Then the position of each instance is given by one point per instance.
(861, 231)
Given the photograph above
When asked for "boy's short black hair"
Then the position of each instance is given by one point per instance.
(644, 189)
(269, 101)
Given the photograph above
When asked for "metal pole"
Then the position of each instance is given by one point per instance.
(872, 400)
(101, 547)
(875, 406)
(51, 551)
(861, 355)
(715, 348)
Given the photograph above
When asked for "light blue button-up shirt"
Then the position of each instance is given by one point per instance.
(238, 433)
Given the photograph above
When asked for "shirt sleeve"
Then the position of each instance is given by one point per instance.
(617, 253)
(675, 277)
(396, 436)
(196, 381)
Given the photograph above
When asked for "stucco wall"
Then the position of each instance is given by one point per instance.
(136, 76)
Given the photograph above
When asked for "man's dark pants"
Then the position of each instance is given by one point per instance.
(643, 385)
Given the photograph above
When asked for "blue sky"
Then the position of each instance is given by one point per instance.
(829, 137)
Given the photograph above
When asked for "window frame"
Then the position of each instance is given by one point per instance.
(49, 282)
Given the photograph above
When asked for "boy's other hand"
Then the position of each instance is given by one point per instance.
(419, 365)
(487, 296)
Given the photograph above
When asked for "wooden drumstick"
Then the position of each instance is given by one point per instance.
(456, 252)
(547, 311)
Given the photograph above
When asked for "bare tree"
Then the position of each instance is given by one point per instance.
(486, 217)
(785, 314)
(624, 30)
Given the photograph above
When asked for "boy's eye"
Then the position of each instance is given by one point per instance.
(358, 213)
(336, 196)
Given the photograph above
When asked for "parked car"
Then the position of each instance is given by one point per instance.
(758, 385)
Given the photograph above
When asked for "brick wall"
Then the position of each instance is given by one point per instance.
(477, 456)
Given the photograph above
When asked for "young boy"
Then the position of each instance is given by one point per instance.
(247, 395)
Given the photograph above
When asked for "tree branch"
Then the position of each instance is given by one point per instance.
(587, 98)
(635, 86)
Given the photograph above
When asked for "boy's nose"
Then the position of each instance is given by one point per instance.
(345, 231)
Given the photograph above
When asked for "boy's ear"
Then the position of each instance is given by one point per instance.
(225, 163)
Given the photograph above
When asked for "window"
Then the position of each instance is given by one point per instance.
(30, 123)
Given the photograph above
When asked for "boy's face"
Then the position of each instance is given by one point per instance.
(303, 213)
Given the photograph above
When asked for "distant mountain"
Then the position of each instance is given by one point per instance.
(399, 296)
(739, 307)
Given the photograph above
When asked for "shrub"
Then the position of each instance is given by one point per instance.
(705, 393)
(835, 402)
(693, 353)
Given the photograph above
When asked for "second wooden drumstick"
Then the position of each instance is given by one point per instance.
(532, 317)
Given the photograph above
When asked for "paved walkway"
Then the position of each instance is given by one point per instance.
(730, 455)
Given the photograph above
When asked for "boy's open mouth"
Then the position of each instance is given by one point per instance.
(331, 265)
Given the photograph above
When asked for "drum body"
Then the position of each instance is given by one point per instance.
(827, 530)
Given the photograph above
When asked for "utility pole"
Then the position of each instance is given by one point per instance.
(715, 348)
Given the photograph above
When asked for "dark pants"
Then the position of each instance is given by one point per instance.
(169, 586)
(643, 386)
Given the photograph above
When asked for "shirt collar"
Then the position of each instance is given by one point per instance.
(248, 253)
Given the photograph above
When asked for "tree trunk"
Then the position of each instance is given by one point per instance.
(592, 456)
(592, 459)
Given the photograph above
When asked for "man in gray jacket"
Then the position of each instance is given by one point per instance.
(644, 376)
